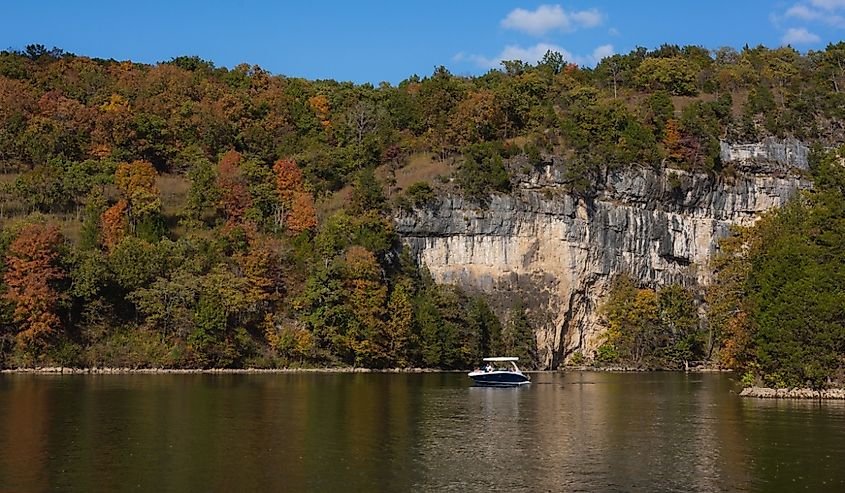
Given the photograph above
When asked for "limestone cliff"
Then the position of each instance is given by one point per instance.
(559, 252)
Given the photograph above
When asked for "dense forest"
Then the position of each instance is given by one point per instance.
(187, 215)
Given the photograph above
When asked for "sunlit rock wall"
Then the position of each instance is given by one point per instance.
(560, 252)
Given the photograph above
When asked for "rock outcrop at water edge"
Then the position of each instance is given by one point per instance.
(559, 251)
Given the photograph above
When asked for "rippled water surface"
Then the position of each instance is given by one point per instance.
(417, 432)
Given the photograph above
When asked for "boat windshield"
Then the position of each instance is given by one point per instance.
(499, 366)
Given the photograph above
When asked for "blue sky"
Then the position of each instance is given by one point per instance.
(369, 41)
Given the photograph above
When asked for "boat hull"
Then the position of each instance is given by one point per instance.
(499, 378)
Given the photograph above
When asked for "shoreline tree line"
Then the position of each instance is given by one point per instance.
(256, 267)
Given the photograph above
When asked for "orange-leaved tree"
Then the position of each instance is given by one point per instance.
(234, 196)
(114, 224)
(32, 268)
(296, 205)
(262, 267)
(480, 116)
(320, 105)
(672, 142)
(302, 215)
(288, 180)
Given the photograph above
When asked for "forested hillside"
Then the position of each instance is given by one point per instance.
(185, 215)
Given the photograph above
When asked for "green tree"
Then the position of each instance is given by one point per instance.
(631, 315)
(778, 298)
(203, 194)
(658, 111)
(168, 302)
(674, 74)
(484, 329)
(399, 336)
(679, 325)
(367, 193)
(518, 337)
(95, 206)
(482, 173)
(440, 316)
(323, 311)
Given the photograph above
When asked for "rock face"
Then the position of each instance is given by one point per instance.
(772, 156)
(559, 252)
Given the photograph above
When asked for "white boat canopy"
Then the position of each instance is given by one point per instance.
(501, 358)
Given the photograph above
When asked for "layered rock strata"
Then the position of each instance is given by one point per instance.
(559, 252)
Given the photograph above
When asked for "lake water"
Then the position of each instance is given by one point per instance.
(576, 431)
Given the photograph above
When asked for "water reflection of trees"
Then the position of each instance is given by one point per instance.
(587, 431)
(24, 444)
(636, 431)
(389, 432)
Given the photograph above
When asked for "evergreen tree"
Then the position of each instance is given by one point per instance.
(518, 337)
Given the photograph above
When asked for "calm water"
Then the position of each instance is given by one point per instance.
(430, 432)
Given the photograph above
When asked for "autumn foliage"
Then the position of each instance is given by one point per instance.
(288, 180)
(296, 203)
(320, 105)
(234, 197)
(32, 269)
(114, 224)
(367, 296)
(672, 142)
(302, 215)
(137, 181)
(240, 273)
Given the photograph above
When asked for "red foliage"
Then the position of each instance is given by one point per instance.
(231, 158)
(31, 270)
(234, 196)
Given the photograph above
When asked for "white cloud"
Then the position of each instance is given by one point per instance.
(822, 11)
(602, 52)
(797, 36)
(829, 4)
(613, 31)
(550, 17)
(533, 54)
(587, 18)
(802, 12)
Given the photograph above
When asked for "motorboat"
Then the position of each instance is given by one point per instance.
(499, 371)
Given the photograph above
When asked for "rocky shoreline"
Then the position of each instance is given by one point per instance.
(770, 393)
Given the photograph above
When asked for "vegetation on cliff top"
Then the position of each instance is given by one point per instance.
(181, 214)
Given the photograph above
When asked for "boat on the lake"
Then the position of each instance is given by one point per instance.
(499, 371)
